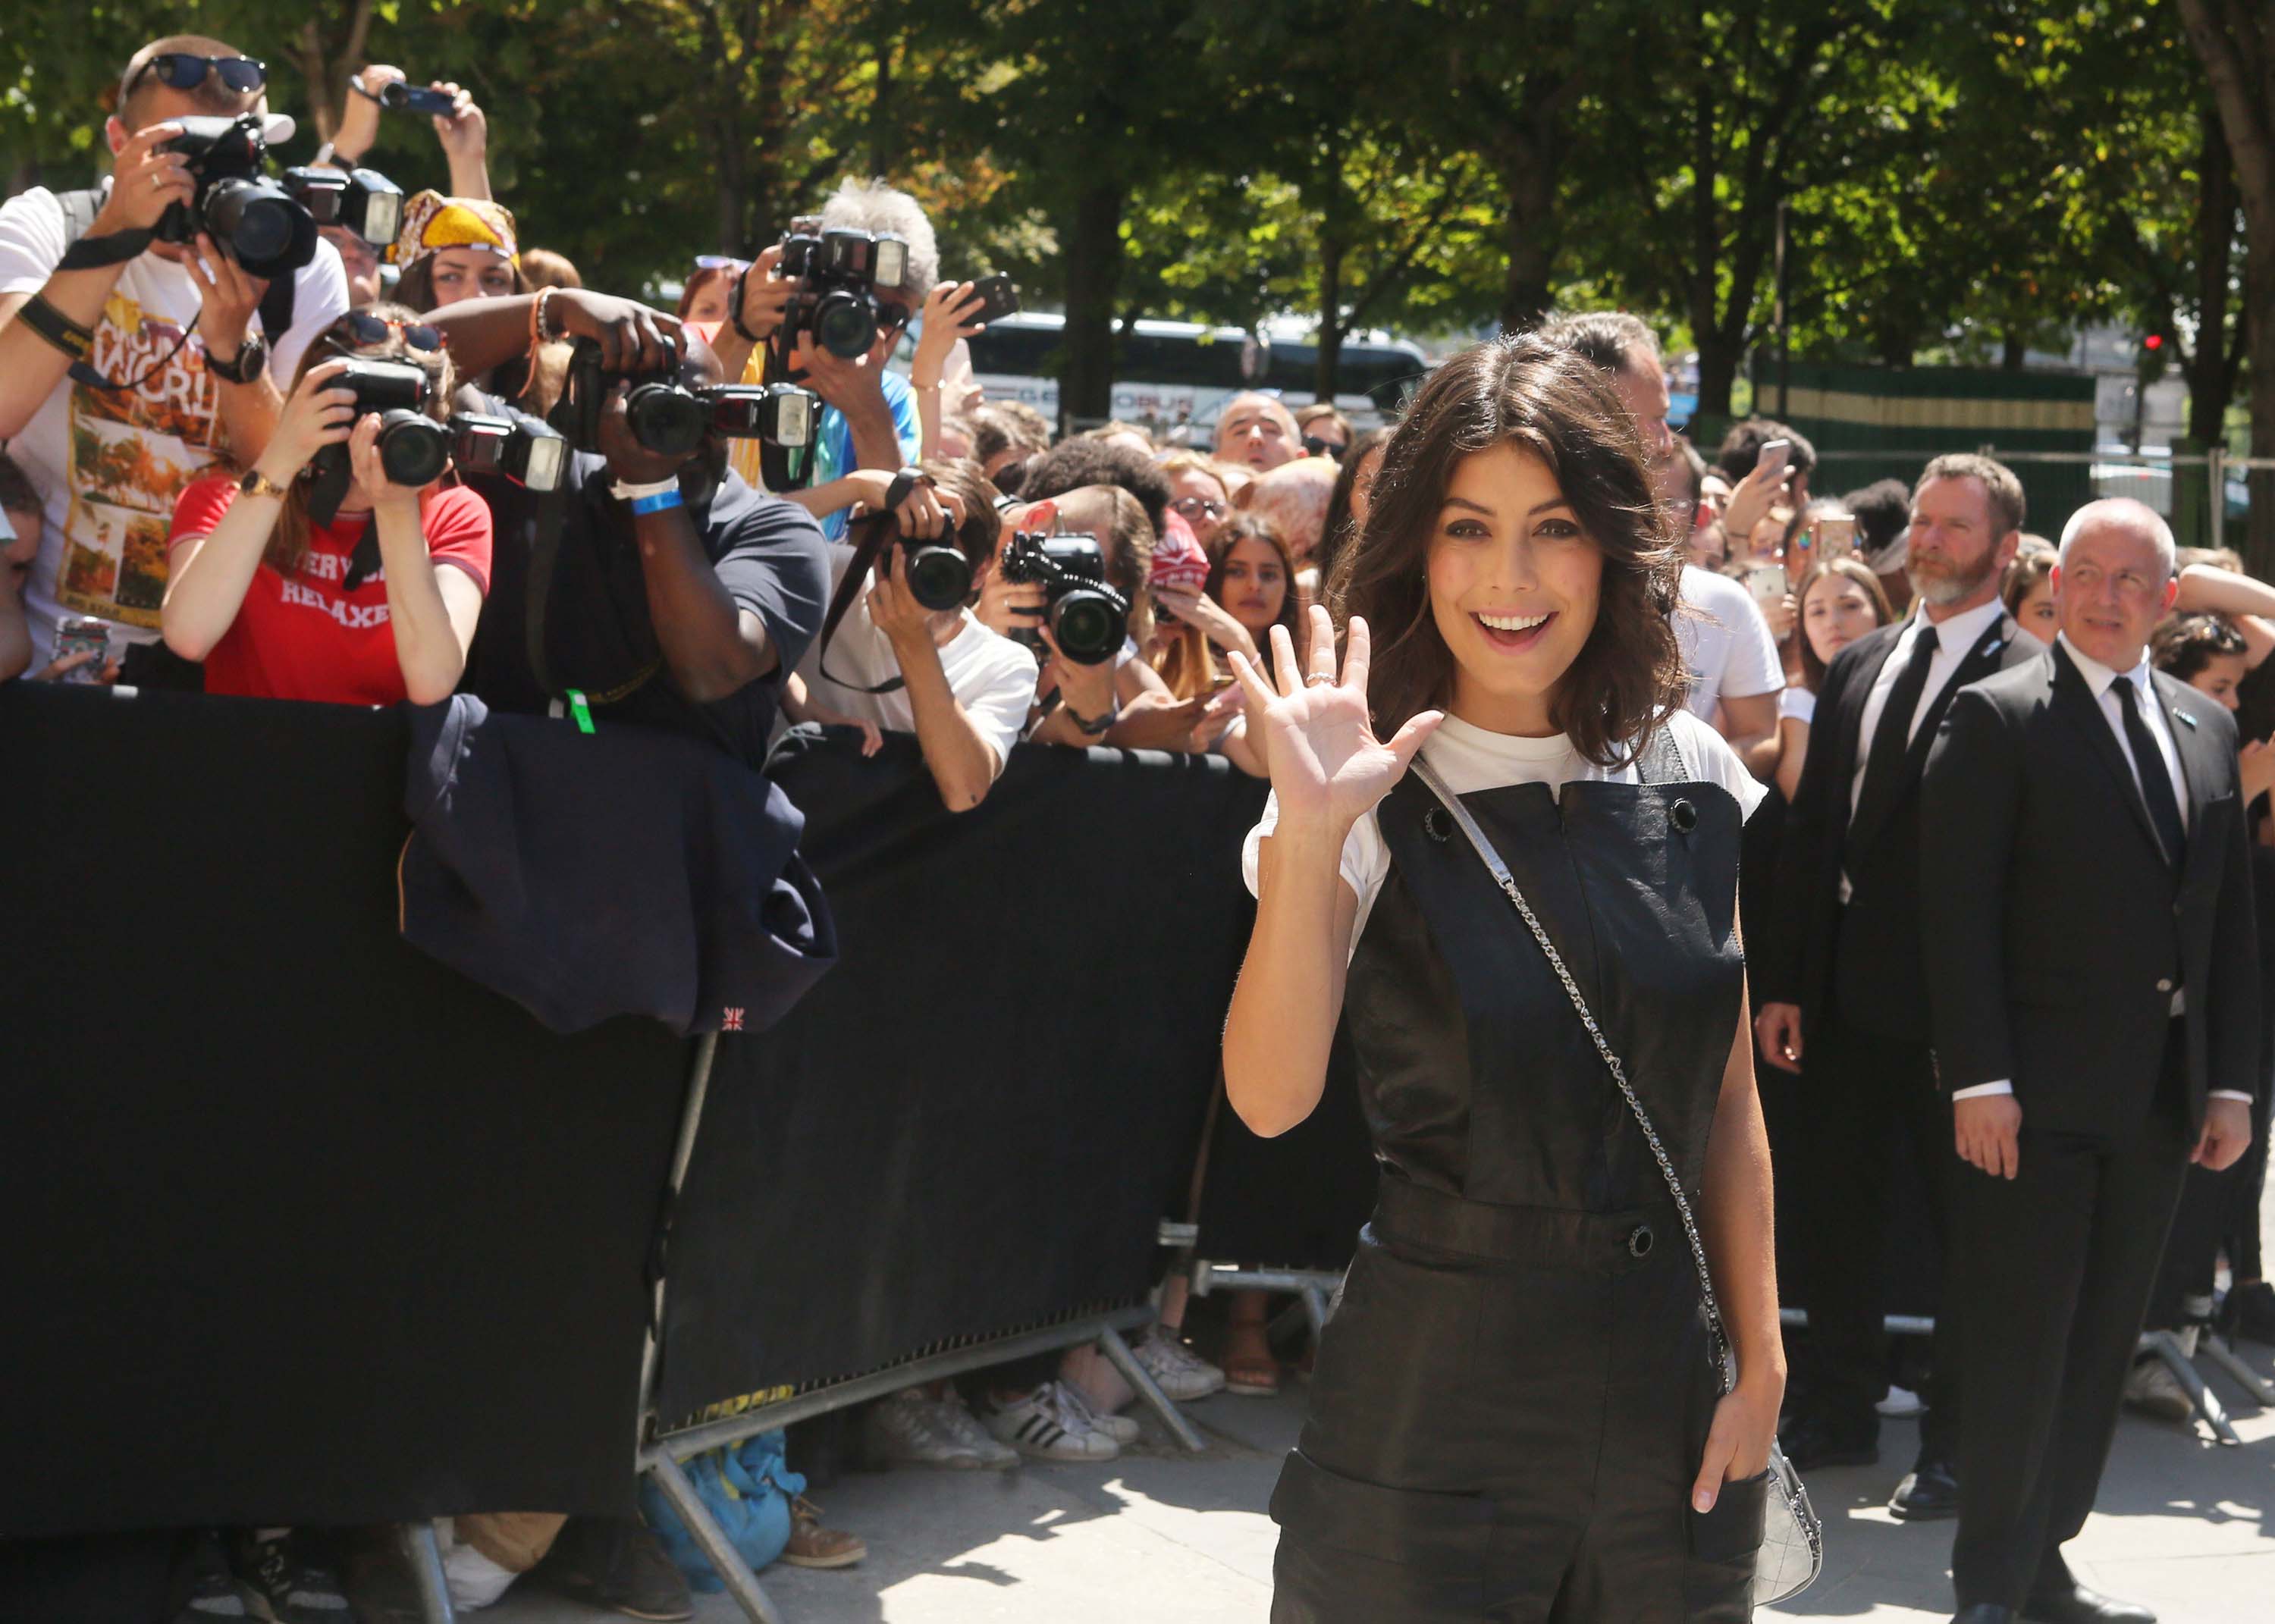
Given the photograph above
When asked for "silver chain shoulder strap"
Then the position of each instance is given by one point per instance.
(1468, 825)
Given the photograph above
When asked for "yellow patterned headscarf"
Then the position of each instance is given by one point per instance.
(431, 221)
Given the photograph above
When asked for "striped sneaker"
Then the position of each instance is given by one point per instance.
(1072, 1400)
(1038, 1425)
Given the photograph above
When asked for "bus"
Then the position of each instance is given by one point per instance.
(1174, 373)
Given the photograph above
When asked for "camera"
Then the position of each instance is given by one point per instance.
(261, 224)
(534, 457)
(1089, 620)
(671, 419)
(838, 274)
(940, 576)
(363, 201)
(413, 447)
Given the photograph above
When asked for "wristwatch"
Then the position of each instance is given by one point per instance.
(250, 361)
(1091, 727)
(256, 483)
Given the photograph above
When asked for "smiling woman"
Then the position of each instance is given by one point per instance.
(1529, 1256)
(1516, 488)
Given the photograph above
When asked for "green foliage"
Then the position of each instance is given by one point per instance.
(1958, 175)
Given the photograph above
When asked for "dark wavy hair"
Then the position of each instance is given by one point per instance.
(1336, 533)
(1523, 391)
(2184, 644)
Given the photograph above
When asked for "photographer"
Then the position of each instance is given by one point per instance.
(273, 597)
(870, 418)
(179, 366)
(961, 688)
(679, 596)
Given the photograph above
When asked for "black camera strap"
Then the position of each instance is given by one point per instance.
(876, 536)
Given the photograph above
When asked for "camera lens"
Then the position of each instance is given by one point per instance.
(413, 447)
(940, 578)
(665, 418)
(1089, 625)
(845, 324)
(267, 232)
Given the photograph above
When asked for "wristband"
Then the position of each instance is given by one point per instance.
(624, 491)
(735, 308)
(1092, 727)
(658, 503)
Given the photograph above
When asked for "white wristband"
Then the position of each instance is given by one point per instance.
(623, 492)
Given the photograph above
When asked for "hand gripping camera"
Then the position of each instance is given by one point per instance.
(1089, 620)
(838, 274)
(671, 419)
(363, 201)
(261, 224)
(413, 447)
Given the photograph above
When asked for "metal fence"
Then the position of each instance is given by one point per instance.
(2205, 495)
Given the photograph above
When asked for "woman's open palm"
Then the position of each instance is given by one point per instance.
(1328, 767)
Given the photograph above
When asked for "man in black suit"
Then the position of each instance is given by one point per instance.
(1844, 972)
(2094, 993)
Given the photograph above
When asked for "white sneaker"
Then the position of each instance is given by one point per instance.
(1039, 1425)
(1183, 1374)
(906, 1429)
(961, 1426)
(1902, 1401)
(1075, 1402)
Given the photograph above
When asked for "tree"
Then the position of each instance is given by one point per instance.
(2235, 40)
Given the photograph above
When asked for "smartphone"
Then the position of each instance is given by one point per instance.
(999, 297)
(1767, 583)
(1775, 454)
(1836, 537)
(403, 98)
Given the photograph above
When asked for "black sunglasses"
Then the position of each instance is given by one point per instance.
(361, 327)
(185, 70)
(1328, 449)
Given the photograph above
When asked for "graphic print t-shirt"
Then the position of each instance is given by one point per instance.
(108, 463)
(305, 635)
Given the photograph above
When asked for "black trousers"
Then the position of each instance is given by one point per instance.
(1868, 1116)
(2053, 1270)
(1504, 1425)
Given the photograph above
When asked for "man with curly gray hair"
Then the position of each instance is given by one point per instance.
(869, 414)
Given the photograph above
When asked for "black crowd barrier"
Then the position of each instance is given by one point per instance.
(301, 1226)
(976, 1123)
(304, 1229)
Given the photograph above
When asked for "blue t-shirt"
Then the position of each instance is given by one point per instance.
(834, 455)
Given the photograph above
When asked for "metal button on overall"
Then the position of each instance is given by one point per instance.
(1640, 1241)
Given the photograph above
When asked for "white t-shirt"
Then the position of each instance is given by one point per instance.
(992, 677)
(108, 464)
(1470, 759)
(1726, 643)
(1797, 703)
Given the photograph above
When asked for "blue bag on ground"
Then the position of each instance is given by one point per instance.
(747, 1489)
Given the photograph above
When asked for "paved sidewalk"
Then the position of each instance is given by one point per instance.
(1161, 1536)
(2183, 1526)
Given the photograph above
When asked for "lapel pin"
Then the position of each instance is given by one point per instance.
(2184, 716)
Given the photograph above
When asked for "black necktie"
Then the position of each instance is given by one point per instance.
(1885, 762)
(2156, 782)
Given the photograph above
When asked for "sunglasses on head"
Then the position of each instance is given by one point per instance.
(720, 262)
(1315, 447)
(183, 70)
(361, 327)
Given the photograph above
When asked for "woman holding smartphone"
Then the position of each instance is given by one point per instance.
(1513, 1413)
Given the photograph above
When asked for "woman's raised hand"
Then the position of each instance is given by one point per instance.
(1327, 768)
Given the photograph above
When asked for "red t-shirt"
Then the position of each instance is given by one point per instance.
(305, 638)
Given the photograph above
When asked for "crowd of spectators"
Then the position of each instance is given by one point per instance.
(169, 523)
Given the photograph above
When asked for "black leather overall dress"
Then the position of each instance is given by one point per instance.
(1512, 1398)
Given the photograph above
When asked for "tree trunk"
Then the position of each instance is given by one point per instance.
(2211, 371)
(1528, 290)
(2012, 348)
(1094, 274)
(1717, 369)
(1331, 315)
(2234, 65)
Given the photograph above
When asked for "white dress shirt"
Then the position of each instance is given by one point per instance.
(2102, 682)
(1956, 639)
